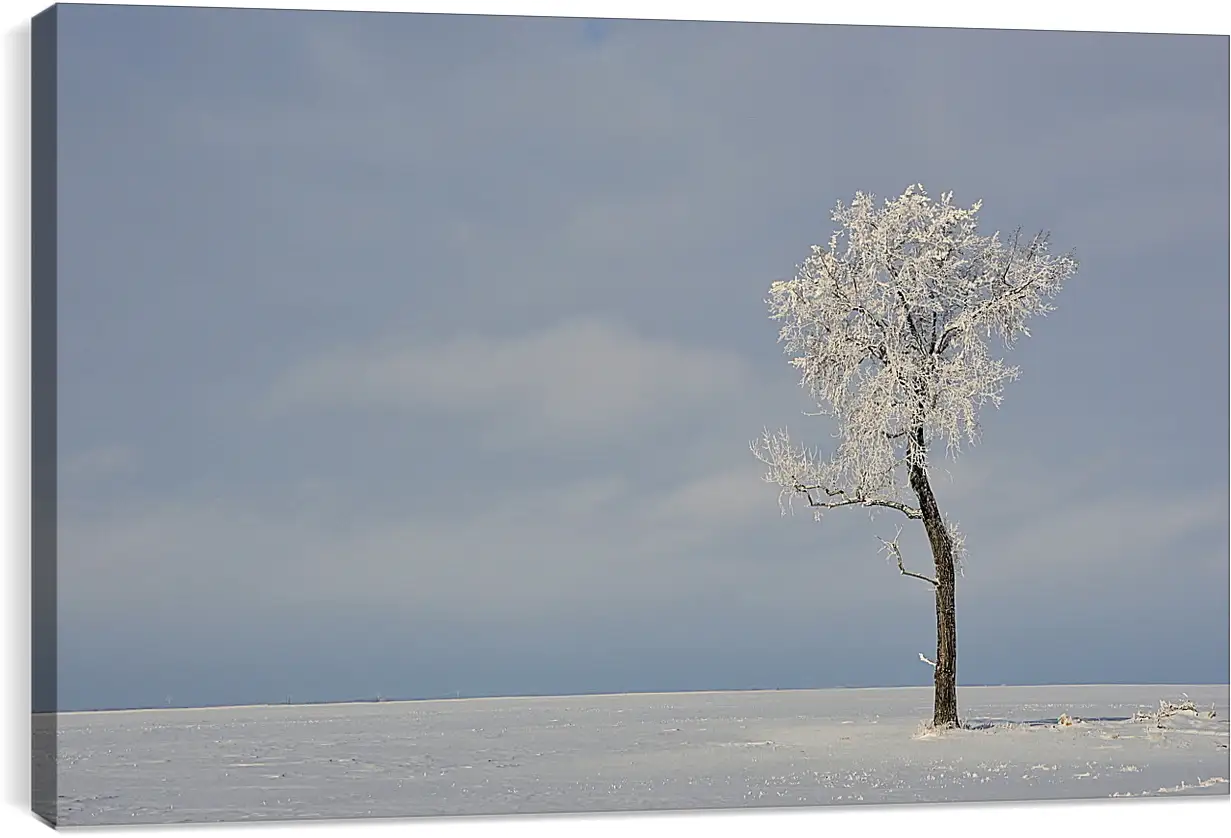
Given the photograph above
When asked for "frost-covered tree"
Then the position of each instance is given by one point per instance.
(891, 327)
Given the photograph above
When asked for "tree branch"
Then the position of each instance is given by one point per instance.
(891, 548)
(998, 296)
(946, 335)
(806, 491)
(910, 321)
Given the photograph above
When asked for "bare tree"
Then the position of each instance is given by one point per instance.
(890, 326)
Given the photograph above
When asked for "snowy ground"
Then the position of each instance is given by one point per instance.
(634, 752)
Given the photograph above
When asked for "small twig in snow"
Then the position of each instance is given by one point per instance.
(1168, 708)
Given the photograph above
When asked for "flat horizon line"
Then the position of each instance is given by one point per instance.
(512, 697)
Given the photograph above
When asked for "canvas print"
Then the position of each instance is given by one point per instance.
(491, 415)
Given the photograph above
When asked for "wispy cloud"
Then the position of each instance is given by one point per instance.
(594, 545)
(1120, 535)
(582, 381)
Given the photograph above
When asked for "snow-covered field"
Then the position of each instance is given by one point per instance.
(634, 752)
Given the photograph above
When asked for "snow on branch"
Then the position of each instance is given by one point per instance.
(892, 549)
(800, 472)
(958, 541)
(1166, 709)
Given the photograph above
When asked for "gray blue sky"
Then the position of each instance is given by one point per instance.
(417, 355)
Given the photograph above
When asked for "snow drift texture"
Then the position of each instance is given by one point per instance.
(635, 752)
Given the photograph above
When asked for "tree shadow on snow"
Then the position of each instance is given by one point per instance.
(987, 724)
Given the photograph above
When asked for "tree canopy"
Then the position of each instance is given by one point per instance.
(891, 327)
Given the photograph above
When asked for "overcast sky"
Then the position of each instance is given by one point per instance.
(415, 355)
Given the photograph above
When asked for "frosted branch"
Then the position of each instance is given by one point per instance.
(800, 473)
(892, 549)
(957, 541)
(1167, 709)
(908, 511)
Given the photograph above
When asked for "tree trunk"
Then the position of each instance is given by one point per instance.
(944, 712)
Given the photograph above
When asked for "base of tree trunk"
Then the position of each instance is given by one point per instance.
(945, 721)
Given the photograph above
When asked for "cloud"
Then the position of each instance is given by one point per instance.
(736, 494)
(596, 545)
(1126, 535)
(581, 381)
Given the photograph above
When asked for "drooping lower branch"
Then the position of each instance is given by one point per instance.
(892, 548)
(806, 491)
(799, 473)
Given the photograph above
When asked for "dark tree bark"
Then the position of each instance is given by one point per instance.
(945, 706)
